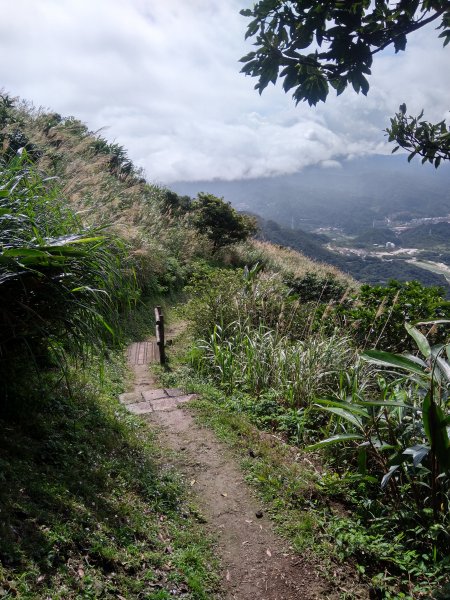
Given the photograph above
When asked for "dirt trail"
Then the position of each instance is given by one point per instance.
(256, 563)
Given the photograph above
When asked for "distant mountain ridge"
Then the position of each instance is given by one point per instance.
(425, 236)
(353, 197)
(369, 269)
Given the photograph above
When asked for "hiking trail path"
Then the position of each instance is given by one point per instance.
(256, 564)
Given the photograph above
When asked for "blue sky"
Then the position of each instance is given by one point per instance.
(161, 77)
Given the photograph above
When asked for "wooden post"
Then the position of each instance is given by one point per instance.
(160, 335)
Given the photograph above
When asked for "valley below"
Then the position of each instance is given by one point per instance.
(376, 218)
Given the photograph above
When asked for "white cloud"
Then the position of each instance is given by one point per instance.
(163, 78)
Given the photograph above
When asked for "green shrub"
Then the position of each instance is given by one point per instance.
(255, 296)
(259, 360)
(314, 287)
(376, 315)
(400, 468)
(61, 285)
(219, 221)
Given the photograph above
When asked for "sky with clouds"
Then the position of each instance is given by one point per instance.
(161, 77)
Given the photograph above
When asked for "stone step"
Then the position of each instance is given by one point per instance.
(130, 398)
(150, 395)
(159, 403)
(141, 408)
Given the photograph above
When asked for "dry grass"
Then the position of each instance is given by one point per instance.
(286, 260)
(133, 208)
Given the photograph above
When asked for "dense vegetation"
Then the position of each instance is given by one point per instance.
(88, 510)
(288, 352)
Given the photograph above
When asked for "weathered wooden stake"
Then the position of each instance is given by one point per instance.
(160, 335)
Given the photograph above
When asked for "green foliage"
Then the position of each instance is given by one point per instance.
(377, 314)
(399, 434)
(432, 375)
(256, 360)
(12, 137)
(431, 141)
(222, 296)
(219, 221)
(59, 283)
(118, 162)
(372, 427)
(175, 203)
(89, 507)
(397, 569)
(315, 45)
(313, 287)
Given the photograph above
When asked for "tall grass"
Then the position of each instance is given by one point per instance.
(104, 188)
(257, 360)
(61, 285)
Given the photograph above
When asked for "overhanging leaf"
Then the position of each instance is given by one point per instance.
(417, 452)
(344, 414)
(336, 439)
(388, 476)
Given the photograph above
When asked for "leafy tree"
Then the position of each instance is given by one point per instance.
(428, 140)
(176, 204)
(220, 222)
(314, 45)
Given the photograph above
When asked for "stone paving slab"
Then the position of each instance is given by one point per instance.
(164, 404)
(141, 408)
(156, 404)
(145, 399)
(151, 395)
(130, 398)
(174, 392)
(171, 403)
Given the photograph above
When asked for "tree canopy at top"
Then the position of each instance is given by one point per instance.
(314, 45)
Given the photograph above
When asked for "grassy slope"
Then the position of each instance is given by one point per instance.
(88, 509)
(132, 207)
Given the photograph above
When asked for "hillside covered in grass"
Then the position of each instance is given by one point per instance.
(87, 247)
(276, 341)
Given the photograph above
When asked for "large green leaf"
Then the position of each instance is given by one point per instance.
(435, 322)
(444, 367)
(353, 408)
(24, 253)
(344, 414)
(392, 403)
(420, 339)
(74, 239)
(397, 361)
(434, 423)
(336, 439)
(418, 453)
